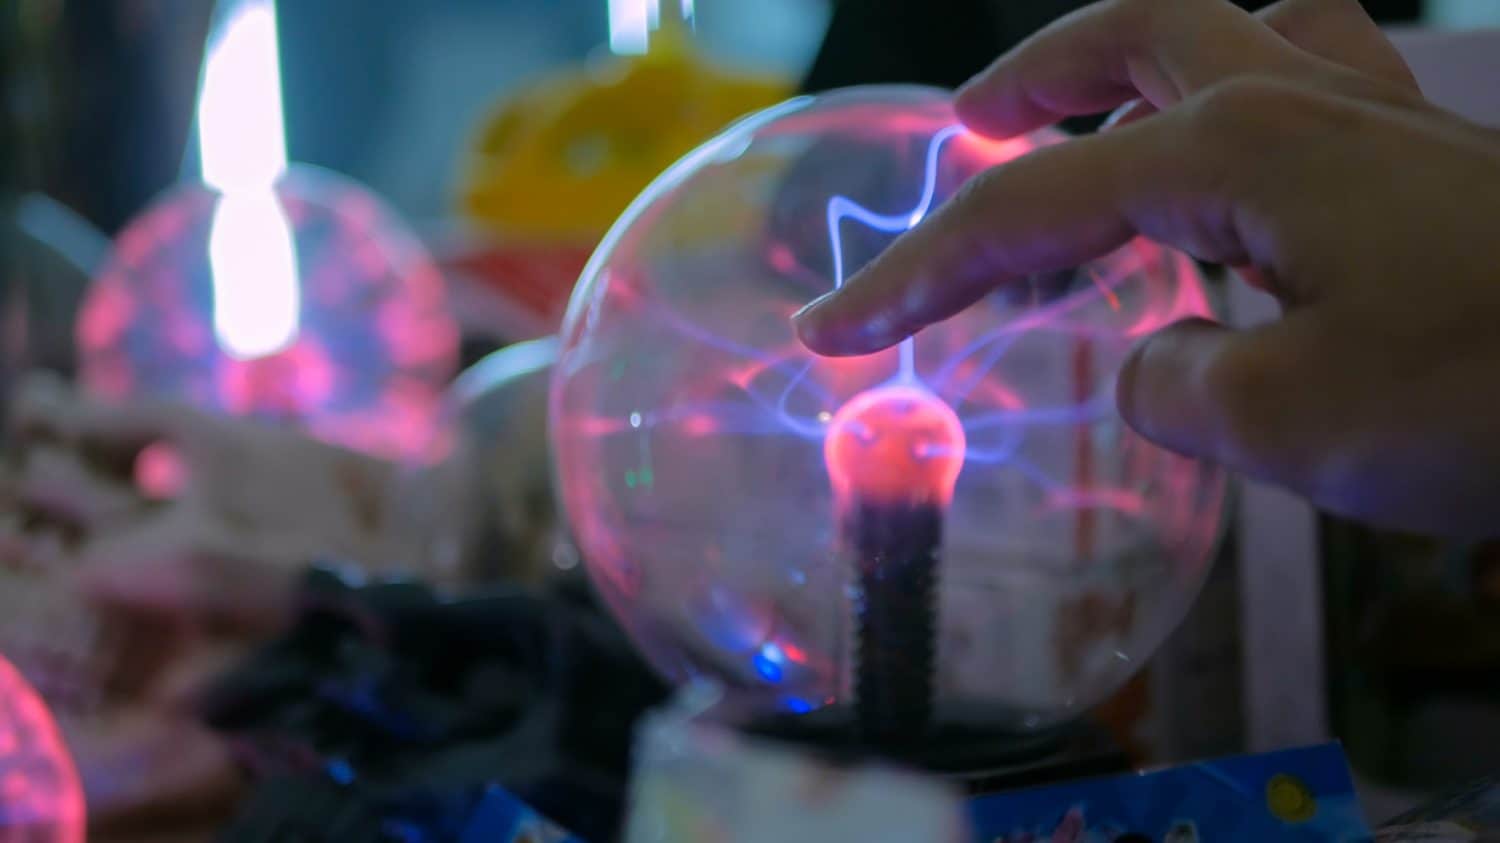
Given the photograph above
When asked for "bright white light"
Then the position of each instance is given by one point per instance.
(242, 143)
(257, 298)
(241, 137)
(630, 25)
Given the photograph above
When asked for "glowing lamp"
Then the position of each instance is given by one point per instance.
(312, 306)
(41, 800)
(894, 445)
(956, 533)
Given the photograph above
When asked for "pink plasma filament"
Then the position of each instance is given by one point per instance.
(894, 444)
(41, 800)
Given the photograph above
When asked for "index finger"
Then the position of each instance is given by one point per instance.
(1180, 179)
(1110, 53)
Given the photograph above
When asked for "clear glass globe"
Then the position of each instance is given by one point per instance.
(959, 530)
(313, 305)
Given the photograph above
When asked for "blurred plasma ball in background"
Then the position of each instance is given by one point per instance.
(314, 307)
(41, 800)
(709, 465)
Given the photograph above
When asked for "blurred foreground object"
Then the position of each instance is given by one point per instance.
(696, 780)
(558, 162)
(40, 797)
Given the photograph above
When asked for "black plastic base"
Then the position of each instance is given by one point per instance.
(895, 549)
(981, 760)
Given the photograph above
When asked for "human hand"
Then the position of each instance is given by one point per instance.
(1294, 146)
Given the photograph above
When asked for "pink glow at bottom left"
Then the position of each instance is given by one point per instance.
(41, 800)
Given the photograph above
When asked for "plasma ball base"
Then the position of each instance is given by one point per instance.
(975, 759)
(895, 553)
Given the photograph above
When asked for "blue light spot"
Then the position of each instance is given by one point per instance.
(340, 771)
(797, 705)
(768, 670)
(773, 652)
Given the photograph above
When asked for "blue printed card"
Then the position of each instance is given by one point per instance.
(1293, 795)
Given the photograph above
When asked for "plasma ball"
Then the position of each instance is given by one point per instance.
(41, 799)
(685, 416)
(894, 445)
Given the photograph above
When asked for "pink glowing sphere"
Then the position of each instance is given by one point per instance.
(704, 456)
(41, 800)
(313, 306)
(894, 444)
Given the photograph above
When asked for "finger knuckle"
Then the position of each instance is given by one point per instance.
(1256, 114)
(1241, 111)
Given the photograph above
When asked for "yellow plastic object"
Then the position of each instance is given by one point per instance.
(1289, 799)
(562, 159)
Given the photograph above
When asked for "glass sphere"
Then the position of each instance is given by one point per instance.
(965, 513)
(315, 307)
(41, 800)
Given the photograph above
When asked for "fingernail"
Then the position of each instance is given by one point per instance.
(816, 303)
(1129, 110)
(1116, 116)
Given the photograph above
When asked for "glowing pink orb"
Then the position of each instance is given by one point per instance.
(41, 800)
(370, 344)
(895, 444)
(160, 473)
(705, 457)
